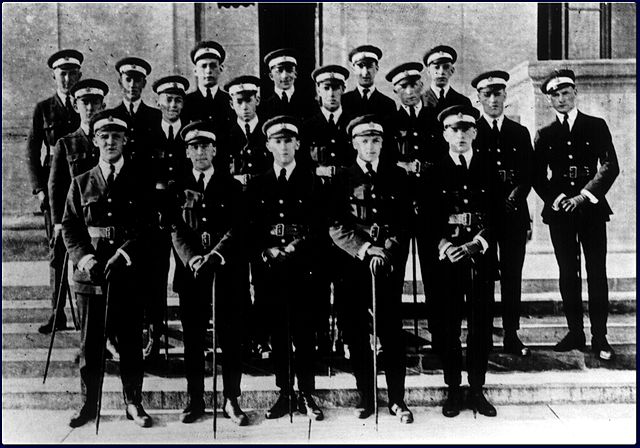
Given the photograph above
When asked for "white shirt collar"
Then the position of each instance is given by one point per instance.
(290, 92)
(371, 90)
(418, 108)
(63, 97)
(136, 105)
(436, 90)
(85, 128)
(336, 114)
(573, 113)
(289, 169)
(176, 127)
(490, 120)
(252, 123)
(456, 159)
(207, 175)
(363, 165)
(214, 90)
(105, 168)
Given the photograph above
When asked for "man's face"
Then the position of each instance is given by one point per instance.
(460, 137)
(283, 75)
(66, 76)
(201, 154)
(110, 143)
(492, 100)
(245, 105)
(87, 106)
(330, 94)
(283, 147)
(365, 71)
(409, 91)
(170, 105)
(563, 100)
(368, 147)
(132, 84)
(208, 71)
(441, 72)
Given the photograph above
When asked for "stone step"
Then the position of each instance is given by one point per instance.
(589, 386)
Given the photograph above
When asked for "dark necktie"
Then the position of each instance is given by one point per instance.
(112, 175)
(247, 130)
(565, 124)
(285, 98)
(282, 178)
(331, 120)
(171, 136)
(463, 162)
(365, 94)
(67, 104)
(201, 183)
(209, 96)
(131, 111)
(495, 133)
(412, 112)
(370, 172)
(441, 97)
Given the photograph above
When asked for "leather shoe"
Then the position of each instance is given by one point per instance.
(571, 341)
(281, 406)
(231, 409)
(601, 348)
(402, 411)
(480, 404)
(193, 411)
(514, 346)
(453, 404)
(364, 408)
(84, 415)
(61, 325)
(306, 405)
(136, 413)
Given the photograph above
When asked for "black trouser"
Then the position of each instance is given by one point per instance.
(125, 322)
(157, 272)
(592, 235)
(57, 251)
(512, 240)
(454, 283)
(291, 319)
(357, 326)
(195, 311)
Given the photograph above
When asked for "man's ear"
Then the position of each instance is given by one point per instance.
(79, 75)
(75, 105)
(453, 69)
(144, 82)
(257, 98)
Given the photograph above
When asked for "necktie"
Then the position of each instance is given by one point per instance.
(112, 174)
(209, 96)
(247, 130)
(331, 120)
(285, 98)
(131, 111)
(565, 124)
(171, 136)
(495, 132)
(441, 97)
(463, 162)
(201, 183)
(370, 171)
(365, 94)
(282, 178)
(67, 103)
(412, 112)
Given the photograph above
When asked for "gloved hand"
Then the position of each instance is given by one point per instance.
(274, 255)
(472, 247)
(457, 253)
(380, 263)
(114, 266)
(571, 204)
(207, 264)
(92, 266)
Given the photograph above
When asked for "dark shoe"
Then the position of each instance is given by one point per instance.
(281, 407)
(453, 404)
(307, 406)
(364, 408)
(136, 413)
(231, 409)
(601, 348)
(478, 402)
(61, 325)
(514, 346)
(402, 411)
(193, 411)
(84, 415)
(571, 341)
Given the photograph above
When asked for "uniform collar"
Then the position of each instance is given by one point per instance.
(363, 165)
(489, 120)
(208, 174)
(437, 90)
(85, 128)
(289, 169)
(417, 107)
(290, 92)
(136, 105)
(176, 127)
(63, 97)
(371, 90)
(573, 113)
(105, 167)
(456, 159)
(214, 90)
(252, 123)
(336, 114)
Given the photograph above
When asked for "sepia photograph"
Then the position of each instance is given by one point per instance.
(319, 223)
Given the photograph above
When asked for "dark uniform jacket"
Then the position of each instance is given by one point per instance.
(119, 213)
(378, 103)
(74, 154)
(573, 161)
(51, 120)
(416, 139)
(140, 131)
(511, 157)
(452, 98)
(326, 145)
(246, 157)
(219, 112)
(210, 221)
(299, 105)
(168, 157)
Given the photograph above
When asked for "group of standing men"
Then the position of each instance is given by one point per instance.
(295, 195)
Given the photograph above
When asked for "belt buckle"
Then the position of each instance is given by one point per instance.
(280, 230)
(418, 166)
(573, 172)
(503, 175)
(374, 232)
(110, 232)
(206, 239)
(466, 219)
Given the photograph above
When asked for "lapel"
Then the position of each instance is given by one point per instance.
(97, 181)
(430, 97)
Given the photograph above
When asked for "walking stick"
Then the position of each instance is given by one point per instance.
(214, 343)
(471, 324)
(375, 342)
(65, 273)
(55, 318)
(289, 355)
(333, 328)
(415, 288)
(102, 355)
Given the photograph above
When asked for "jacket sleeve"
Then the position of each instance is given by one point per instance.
(74, 229)
(541, 183)
(609, 168)
(525, 162)
(231, 246)
(34, 147)
(59, 180)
